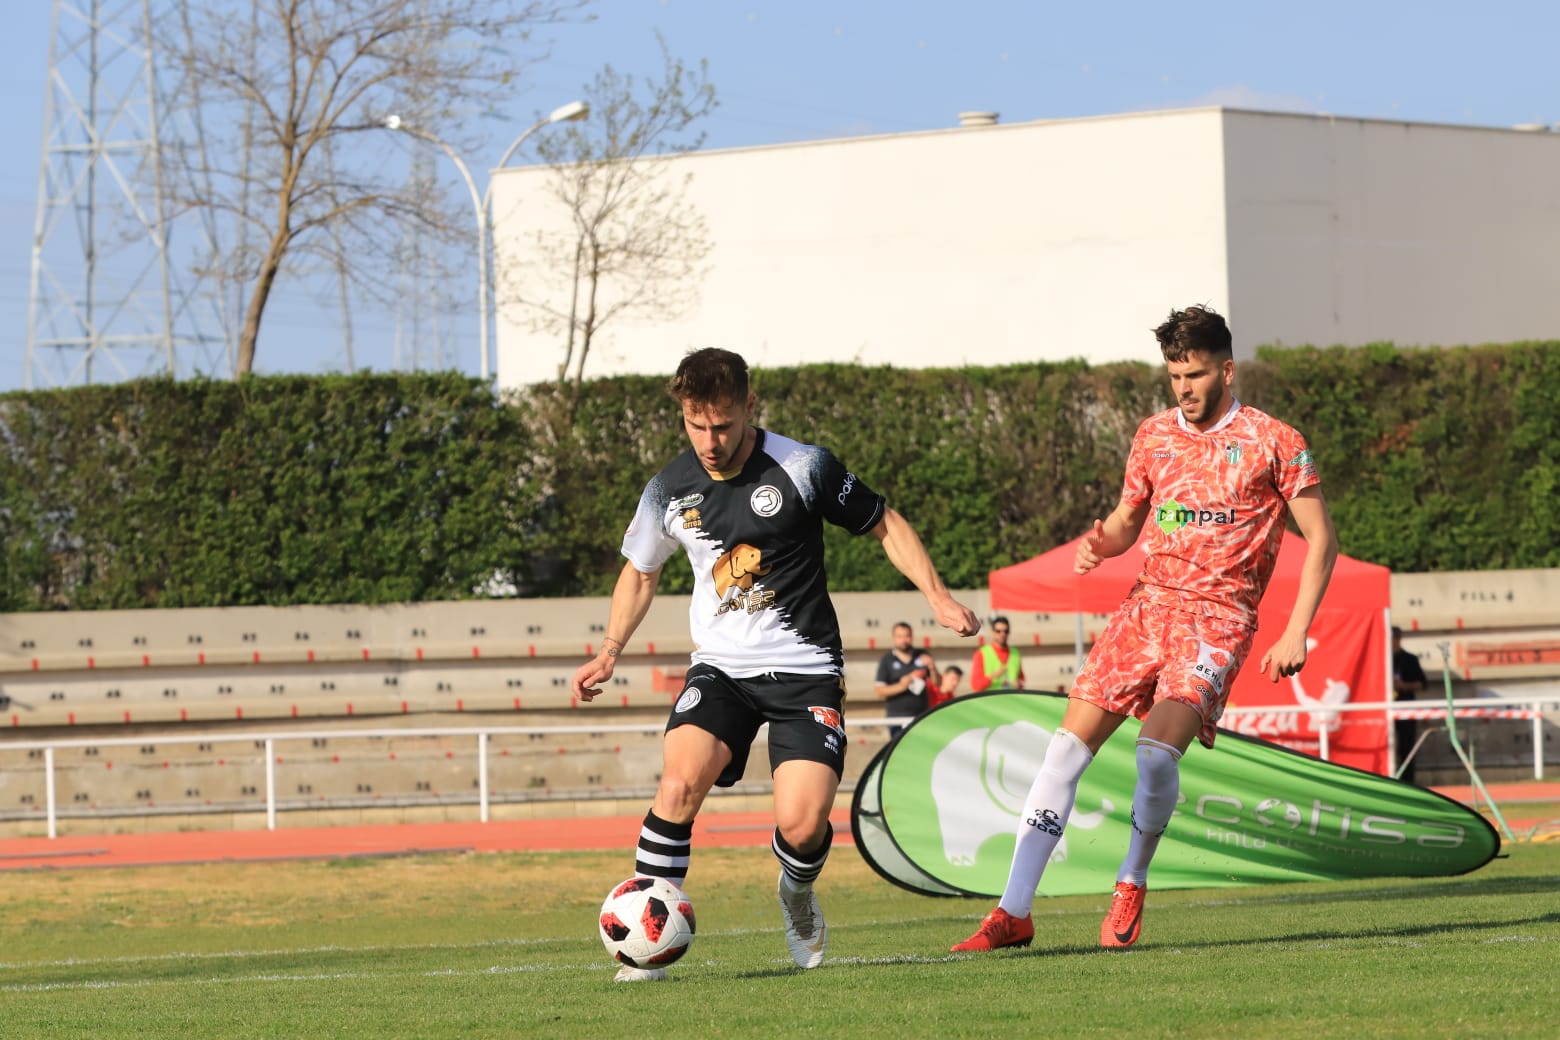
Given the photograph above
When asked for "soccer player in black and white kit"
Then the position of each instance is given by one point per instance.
(748, 506)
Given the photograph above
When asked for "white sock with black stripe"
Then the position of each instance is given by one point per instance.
(664, 848)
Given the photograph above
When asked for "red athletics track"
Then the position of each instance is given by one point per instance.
(711, 830)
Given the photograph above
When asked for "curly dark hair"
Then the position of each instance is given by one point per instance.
(1200, 329)
(710, 376)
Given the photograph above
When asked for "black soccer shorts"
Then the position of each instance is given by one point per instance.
(805, 714)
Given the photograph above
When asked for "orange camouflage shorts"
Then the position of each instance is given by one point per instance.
(1150, 653)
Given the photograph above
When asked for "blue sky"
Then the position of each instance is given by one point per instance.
(792, 70)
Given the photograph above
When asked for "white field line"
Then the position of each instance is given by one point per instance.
(518, 969)
(584, 936)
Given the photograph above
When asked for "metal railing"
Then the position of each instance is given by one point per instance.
(1327, 718)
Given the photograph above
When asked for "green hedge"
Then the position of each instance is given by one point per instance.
(394, 488)
(281, 490)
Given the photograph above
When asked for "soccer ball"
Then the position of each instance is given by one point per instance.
(646, 922)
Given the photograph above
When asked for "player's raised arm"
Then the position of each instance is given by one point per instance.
(630, 600)
(906, 552)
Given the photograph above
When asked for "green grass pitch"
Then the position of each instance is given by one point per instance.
(503, 945)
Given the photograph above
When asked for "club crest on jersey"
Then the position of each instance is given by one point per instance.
(689, 700)
(765, 500)
(1232, 453)
(829, 717)
(687, 502)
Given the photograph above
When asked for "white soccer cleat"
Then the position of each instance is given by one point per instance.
(805, 932)
(627, 974)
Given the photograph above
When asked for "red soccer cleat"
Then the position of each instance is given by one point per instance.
(1124, 923)
(1000, 929)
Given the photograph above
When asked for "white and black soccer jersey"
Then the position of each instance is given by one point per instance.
(760, 599)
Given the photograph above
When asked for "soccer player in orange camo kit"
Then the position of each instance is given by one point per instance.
(1216, 478)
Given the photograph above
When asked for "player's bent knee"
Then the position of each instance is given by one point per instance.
(680, 795)
(803, 833)
(1066, 756)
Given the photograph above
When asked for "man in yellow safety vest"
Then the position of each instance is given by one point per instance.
(996, 666)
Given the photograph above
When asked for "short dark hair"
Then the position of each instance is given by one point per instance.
(1397, 633)
(954, 669)
(1200, 329)
(1001, 619)
(710, 376)
(904, 625)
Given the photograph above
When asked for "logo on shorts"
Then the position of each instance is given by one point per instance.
(829, 717)
(765, 500)
(689, 699)
(1212, 666)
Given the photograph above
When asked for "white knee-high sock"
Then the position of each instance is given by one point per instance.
(1045, 814)
(1158, 784)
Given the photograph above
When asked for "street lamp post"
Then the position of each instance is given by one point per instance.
(481, 202)
(569, 113)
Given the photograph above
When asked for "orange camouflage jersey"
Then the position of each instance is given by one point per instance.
(1218, 503)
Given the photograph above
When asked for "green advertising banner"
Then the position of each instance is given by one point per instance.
(936, 811)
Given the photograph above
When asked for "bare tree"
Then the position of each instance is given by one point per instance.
(291, 82)
(634, 243)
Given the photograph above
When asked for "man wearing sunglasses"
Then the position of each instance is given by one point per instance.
(996, 665)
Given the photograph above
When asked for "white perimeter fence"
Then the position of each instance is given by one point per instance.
(1273, 722)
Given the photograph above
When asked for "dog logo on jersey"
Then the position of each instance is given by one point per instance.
(689, 700)
(829, 717)
(765, 500)
(736, 569)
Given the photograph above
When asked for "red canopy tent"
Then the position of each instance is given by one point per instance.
(1348, 661)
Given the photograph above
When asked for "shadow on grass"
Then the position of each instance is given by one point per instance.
(1334, 935)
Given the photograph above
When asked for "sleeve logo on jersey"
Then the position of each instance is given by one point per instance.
(829, 717)
(1172, 516)
(765, 500)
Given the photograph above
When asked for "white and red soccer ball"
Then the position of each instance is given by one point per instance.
(646, 922)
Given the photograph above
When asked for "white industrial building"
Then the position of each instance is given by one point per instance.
(996, 244)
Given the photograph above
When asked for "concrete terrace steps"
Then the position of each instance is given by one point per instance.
(207, 664)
